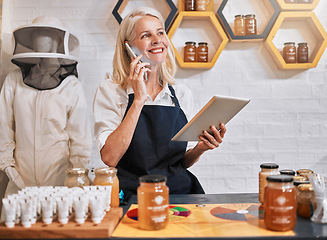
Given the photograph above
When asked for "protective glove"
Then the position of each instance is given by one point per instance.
(14, 176)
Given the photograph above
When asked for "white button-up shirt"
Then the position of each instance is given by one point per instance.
(110, 104)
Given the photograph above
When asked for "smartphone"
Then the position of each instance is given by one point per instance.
(132, 53)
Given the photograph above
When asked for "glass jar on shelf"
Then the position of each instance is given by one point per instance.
(201, 5)
(108, 176)
(202, 52)
(290, 1)
(302, 53)
(305, 200)
(77, 177)
(250, 24)
(189, 5)
(289, 52)
(239, 25)
(190, 52)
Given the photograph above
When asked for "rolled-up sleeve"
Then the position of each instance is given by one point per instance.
(108, 109)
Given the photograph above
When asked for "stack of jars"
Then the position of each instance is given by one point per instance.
(298, 1)
(291, 54)
(245, 25)
(193, 53)
(196, 5)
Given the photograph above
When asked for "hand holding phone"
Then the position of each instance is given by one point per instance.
(132, 54)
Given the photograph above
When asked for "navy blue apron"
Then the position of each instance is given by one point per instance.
(152, 152)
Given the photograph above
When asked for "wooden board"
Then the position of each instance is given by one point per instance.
(69, 230)
(210, 220)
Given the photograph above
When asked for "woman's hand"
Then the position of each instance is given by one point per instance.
(136, 79)
(211, 141)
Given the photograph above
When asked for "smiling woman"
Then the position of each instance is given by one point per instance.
(136, 119)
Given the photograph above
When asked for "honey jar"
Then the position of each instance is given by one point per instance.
(289, 52)
(239, 25)
(250, 24)
(107, 176)
(77, 177)
(280, 203)
(305, 200)
(189, 5)
(202, 52)
(302, 53)
(153, 202)
(201, 5)
(190, 52)
(267, 169)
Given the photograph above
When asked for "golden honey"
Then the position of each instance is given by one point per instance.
(267, 169)
(107, 176)
(153, 202)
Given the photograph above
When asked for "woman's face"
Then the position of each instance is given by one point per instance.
(151, 39)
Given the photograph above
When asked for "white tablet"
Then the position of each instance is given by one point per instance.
(219, 109)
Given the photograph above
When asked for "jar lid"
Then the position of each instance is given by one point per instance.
(77, 170)
(153, 178)
(289, 43)
(279, 178)
(269, 165)
(239, 15)
(287, 172)
(298, 182)
(305, 187)
(250, 15)
(192, 43)
(203, 43)
(105, 170)
(304, 170)
(302, 43)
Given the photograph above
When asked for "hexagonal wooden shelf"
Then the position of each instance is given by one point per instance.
(121, 4)
(209, 17)
(263, 31)
(298, 6)
(308, 23)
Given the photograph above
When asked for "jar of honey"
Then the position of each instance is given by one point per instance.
(280, 203)
(305, 200)
(77, 177)
(202, 52)
(189, 5)
(302, 53)
(250, 24)
(153, 202)
(190, 52)
(201, 5)
(239, 25)
(289, 52)
(108, 176)
(267, 169)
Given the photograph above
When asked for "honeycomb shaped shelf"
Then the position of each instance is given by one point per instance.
(266, 17)
(188, 21)
(298, 6)
(121, 5)
(309, 30)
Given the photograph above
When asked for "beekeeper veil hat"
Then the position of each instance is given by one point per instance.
(28, 53)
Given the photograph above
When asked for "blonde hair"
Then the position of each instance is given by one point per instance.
(121, 60)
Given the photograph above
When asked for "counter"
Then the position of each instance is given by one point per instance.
(305, 229)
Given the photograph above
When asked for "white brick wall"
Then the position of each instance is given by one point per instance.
(286, 121)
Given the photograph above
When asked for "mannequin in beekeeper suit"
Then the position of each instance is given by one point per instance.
(44, 122)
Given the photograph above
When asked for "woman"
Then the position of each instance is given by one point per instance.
(135, 118)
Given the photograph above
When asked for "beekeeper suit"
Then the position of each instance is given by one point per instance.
(44, 123)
